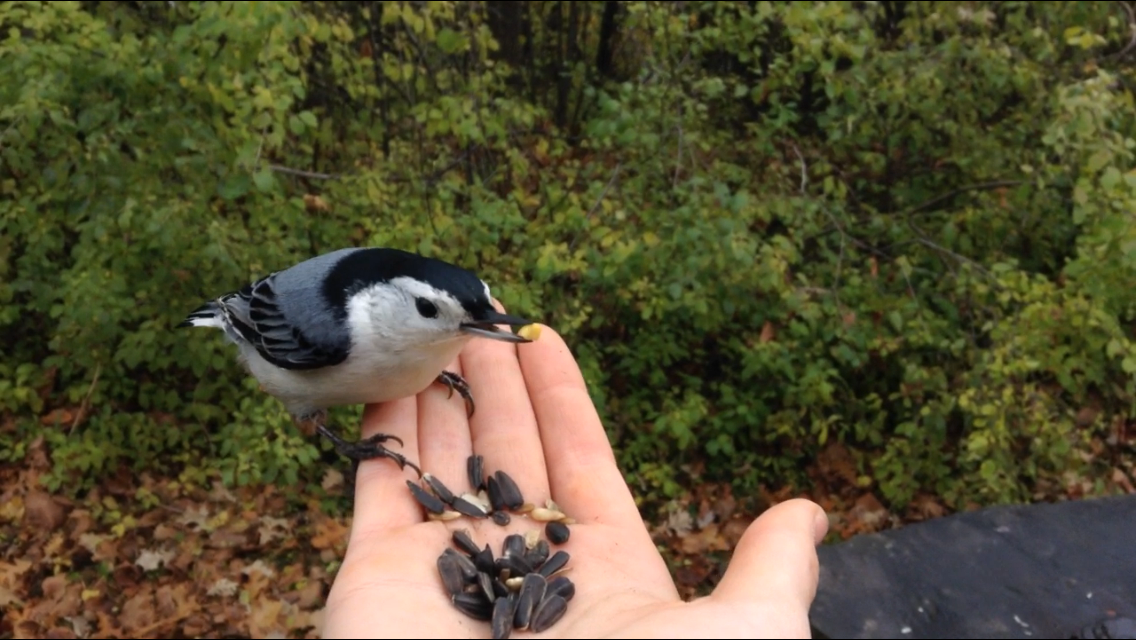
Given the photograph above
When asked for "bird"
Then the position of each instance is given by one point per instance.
(357, 325)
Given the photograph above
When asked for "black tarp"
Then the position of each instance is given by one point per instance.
(1021, 571)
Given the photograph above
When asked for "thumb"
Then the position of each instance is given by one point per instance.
(776, 557)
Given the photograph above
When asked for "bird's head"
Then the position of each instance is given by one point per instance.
(410, 300)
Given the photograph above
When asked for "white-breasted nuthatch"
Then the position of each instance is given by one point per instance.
(356, 326)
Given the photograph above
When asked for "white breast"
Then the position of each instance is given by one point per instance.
(367, 376)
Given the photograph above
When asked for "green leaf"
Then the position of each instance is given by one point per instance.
(265, 180)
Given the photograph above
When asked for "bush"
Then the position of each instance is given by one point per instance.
(765, 226)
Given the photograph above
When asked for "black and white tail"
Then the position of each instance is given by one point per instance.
(207, 315)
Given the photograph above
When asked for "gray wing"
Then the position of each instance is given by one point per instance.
(284, 317)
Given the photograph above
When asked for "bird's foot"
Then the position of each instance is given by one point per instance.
(454, 381)
(368, 448)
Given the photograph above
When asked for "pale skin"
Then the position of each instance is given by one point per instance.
(535, 420)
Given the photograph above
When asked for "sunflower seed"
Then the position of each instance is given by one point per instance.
(501, 518)
(514, 545)
(566, 520)
(551, 609)
(540, 514)
(495, 497)
(557, 532)
(485, 581)
(554, 564)
(515, 565)
(530, 595)
(438, 488)
(464, 541)
(499, 588)
(514, 583)
(484, 560)
(451, 573)
(467, 508)
(474, 467)
(474, 605)
(445, 516)
(479, 500)
(538, 554)
(510, 492)
(468, 570)
(503, 611)
(427, 500)
(524, 508)
(560, 586)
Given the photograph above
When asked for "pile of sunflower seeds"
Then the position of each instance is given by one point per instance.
(494, 496)
(521, 589)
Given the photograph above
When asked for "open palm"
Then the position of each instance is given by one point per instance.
(535, 421)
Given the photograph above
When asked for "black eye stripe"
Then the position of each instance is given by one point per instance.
(426, 308)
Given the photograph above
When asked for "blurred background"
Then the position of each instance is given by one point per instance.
(880, 254)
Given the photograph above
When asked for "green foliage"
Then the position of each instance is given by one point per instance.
(906, 227)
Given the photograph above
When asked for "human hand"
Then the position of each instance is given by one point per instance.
(535, 421)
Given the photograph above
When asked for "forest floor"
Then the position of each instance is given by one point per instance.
(154, 556)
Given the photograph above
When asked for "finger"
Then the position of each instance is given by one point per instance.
(444, 442)
(776, 556)
(382, 499)
(504, 426)
(584, 479)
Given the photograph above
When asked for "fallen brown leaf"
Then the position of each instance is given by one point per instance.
(42, 512)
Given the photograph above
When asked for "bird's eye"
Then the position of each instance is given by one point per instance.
(426, 308)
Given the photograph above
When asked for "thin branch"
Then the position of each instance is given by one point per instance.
(804, 167)
(1131, 27)
(314, 175)
(87, 398)
(926, 241)
(981, 186)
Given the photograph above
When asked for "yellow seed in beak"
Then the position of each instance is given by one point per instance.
(529, 332)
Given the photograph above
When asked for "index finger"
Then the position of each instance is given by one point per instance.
(583, 477)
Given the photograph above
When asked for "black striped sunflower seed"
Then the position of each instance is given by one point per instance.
(561, 586)
(550, 610)
(468, 570)
(501, 518)
(431, 502)
(529, 596)
(510, 492)
(484, 560)
(485, 581)
(554, 564)
(557, 532)
(515, 565)
(502, 623)
(451, 573)
(439, 489)
(474, 605)
(496, 500)
(467, 508)
(464, 541)
(499, 588)
(475, 469)
(538, 554)
(514, 545)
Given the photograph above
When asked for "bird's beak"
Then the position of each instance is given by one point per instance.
(487, 327)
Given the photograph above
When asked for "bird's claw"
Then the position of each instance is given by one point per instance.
(369, 448)
(454, 381)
